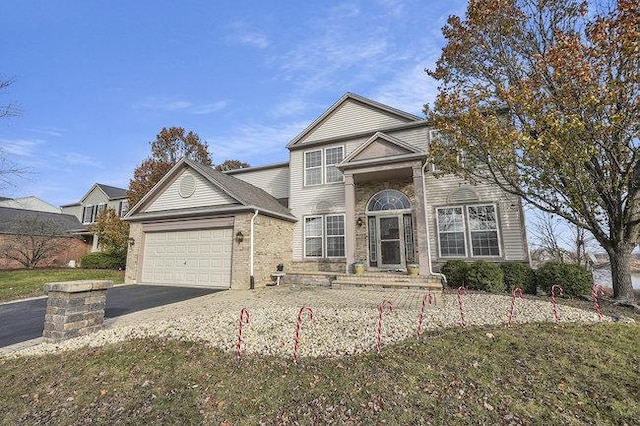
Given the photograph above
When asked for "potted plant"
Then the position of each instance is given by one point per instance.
(358, 267)
(413, 269)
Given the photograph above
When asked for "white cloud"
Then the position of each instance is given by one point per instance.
(74, 159)
(256, 143)
(241, 33)
(49, 131)
(188, 107)
(20, 147)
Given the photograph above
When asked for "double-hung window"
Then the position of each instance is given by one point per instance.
(324, 236)
(123, 208)
(468, 231)
(320, 166)
(88, 214)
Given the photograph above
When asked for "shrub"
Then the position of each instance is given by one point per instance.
(574, 279)
(456, 272)
(104, 260)
(482, 275)
(517, 274)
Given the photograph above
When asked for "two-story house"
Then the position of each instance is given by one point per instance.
(357, 189)
(97, 199)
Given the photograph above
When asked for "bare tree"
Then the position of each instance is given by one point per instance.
(8, 109)
(8, 169)
(33, 238)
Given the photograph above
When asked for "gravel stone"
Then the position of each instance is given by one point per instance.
(345, 321)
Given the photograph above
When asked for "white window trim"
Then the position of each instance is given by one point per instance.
(84, 209)
(464, 233)
(323, 166)
(468, 249)
(495, 212)
(323, 236)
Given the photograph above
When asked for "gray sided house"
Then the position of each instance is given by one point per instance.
(357, 189)
(97, 199)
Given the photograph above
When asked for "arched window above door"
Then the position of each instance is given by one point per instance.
(389, 199)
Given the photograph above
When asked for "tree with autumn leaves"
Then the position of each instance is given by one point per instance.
(170, 146)
(542, 97)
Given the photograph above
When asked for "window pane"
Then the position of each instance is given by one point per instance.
(334, 175)
(313, 247)
(452, 244)
(450, 219)
(389, 199)
(313, 159)
(408, 239)
(482, 218)
(313, 176)
(313, 227)
(335, 225)
(335, 246)
(332, 157)
(485, 243)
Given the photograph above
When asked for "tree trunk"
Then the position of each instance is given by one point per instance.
(620, 258)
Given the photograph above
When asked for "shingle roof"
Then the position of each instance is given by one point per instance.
(113, 192)
(244, 192)
(10, 218)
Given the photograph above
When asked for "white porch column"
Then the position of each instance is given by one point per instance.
(350, 220)
(423, 244)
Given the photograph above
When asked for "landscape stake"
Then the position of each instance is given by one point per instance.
(380, 309)
(244, 319)
(553, 298)
(596, 290)
(516, 291)
(461, 292)
(297, 336)
(428, 297)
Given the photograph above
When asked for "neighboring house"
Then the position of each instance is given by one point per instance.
(28, 234)
(357, 188)
(29, 203)
(96, 200)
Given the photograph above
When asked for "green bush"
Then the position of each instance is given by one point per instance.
(104, 260)
(485, 276)
(517, 274)
(574, 279)
(456, 272)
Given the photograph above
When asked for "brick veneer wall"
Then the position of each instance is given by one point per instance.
(73, 249)
(272, 245)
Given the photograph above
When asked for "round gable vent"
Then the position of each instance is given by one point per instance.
(187, 186)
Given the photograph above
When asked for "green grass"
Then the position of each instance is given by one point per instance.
(25, 283)
(530, 374)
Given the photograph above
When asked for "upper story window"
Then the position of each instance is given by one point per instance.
(90, 213)
(436, 135)
(123, 208)
(320, 166)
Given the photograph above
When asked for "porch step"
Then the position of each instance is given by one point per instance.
(387, 280)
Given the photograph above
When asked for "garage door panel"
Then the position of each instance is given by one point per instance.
(194, 257)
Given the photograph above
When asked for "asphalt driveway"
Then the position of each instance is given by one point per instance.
(22, 321)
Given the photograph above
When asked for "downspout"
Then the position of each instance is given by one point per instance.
(426, 220)
(252, 283)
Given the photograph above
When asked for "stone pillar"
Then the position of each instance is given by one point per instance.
(74, 308)
(350, 218)
(421, 225)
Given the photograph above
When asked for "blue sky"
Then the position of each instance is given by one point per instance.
(97, 80)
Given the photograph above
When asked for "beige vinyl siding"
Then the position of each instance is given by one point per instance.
(73, 210)
(304, 201)
(205, 194)
(508, 213)
(274, 181)
(417, 137)
(351, 117)
(95, 197)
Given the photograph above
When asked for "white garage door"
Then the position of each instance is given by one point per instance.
(199, 257)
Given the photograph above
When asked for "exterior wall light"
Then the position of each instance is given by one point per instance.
(239, 237)
(132, 241)
(359, 222)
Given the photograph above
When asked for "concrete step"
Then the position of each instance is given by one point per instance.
(387, 280)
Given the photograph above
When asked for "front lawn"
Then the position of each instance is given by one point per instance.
(23, 283)
(529, 374)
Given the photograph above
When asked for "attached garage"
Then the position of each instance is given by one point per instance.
(199, 227)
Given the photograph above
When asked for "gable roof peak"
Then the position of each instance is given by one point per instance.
(353, 97)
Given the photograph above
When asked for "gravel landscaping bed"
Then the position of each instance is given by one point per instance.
(343, 323)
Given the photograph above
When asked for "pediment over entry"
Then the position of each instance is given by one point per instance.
(379, 146)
